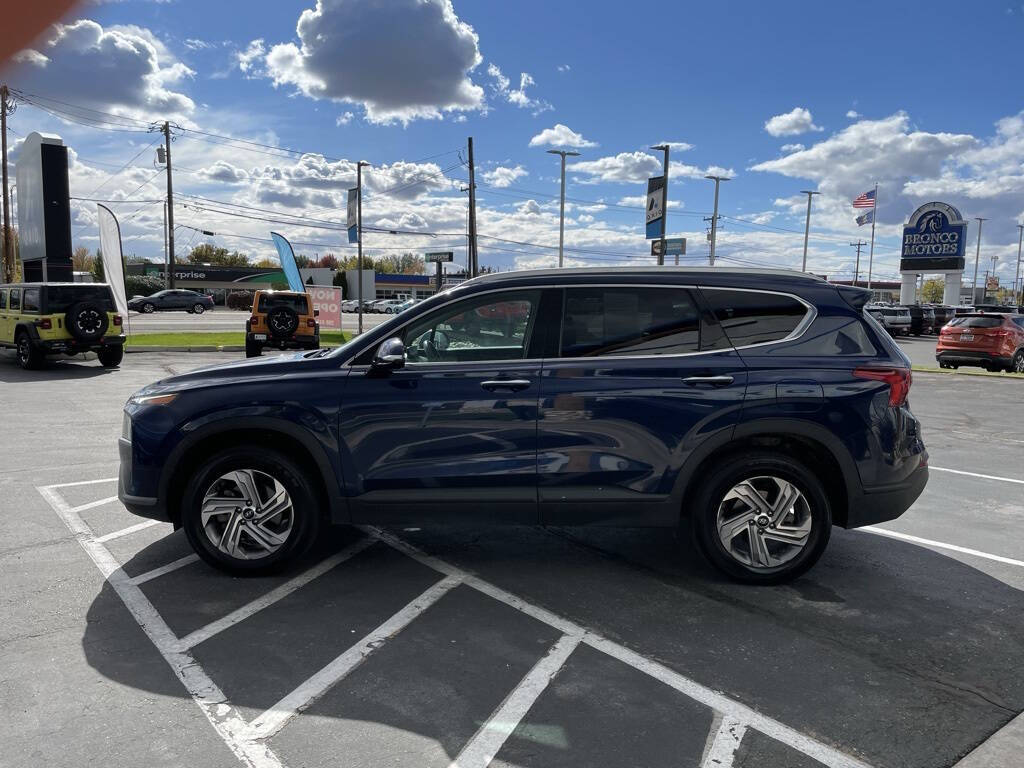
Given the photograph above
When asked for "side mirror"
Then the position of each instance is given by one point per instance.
(390, 356)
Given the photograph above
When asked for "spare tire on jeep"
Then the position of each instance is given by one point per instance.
(282, 322)
(86, 321)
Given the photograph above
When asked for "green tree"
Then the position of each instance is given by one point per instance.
(97, 268)
(339, 281)
(932, 290)
(206, 253)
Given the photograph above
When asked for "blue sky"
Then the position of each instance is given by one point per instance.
(922, 98)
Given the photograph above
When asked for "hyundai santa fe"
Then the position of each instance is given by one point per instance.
(752, 410)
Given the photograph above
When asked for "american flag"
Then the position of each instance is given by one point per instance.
(867, 200)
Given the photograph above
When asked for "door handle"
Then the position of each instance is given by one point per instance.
(714, 381)
(513, 385)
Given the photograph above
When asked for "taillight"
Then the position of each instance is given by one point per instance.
(310, 322)
(46, 324)
(117, 320)
(898, 379)
(254, 320)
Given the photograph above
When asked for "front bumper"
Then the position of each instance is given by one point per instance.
(143, 506)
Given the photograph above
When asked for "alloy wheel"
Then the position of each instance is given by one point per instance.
(247, 514)
(764, 522)
(1018, 362)
(23, 350)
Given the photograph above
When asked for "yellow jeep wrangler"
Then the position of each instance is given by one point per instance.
(40, 319)
(281, 319)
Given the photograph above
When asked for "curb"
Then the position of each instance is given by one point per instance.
(948, 372)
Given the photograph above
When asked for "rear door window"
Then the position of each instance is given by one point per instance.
(31, 300)
(641, 321)
(3, 299)
(754, 317)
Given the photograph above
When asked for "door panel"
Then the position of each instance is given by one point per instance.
(450, 437)
(616, 425)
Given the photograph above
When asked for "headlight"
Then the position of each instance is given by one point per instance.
(163, 399)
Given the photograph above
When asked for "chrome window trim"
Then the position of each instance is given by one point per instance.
(796, 333)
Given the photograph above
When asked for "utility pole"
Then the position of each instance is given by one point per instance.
(714, 216)
(561, 210)
(856, 270)
(170, 206)
(984, 288)
(474, 262)
(167, 270)
(664, 199)
(977, 254)
(1016, 274)
(7, 265)
(359, 238)
(807, 226)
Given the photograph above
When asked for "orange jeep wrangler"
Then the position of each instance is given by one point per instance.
(283, 320)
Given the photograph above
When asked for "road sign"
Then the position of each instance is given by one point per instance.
(439, 256)
(673, 246)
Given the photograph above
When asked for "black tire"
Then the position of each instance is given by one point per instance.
(1017, 364)
(30, 357)
(198, 309)
(252, 349)
(746, 466)
(87, 321)
(282, 322)
(111, 357)
(306, 510)
(148, 308)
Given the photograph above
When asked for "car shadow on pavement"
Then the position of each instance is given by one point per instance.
(887, 651)
(52, 370)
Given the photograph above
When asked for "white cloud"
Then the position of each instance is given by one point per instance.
(560, 136)
(529, 208)
(635, 167)
(344, 119)
(853, 114)
(796, 121)
(564, 67)
(195, 44)
(125, 70)
(675, 146)
(517, 96)
(250, 60)
(793, 147)
(503, 176)
(225, 172)
(401, 59)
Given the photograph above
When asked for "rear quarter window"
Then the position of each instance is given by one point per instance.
(836, 337)
(752, 317)
(30, 301)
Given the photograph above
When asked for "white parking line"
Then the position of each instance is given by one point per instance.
(156, 573)
(224, 718)
(729, 708)
(939, 544)
(84, 482)
(275, 718)
(487, 742)
(727, 740)
(92, 504)
(977, 474)
(127, 531)
(278, 593)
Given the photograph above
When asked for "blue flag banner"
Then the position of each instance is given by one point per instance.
(867, 218)
(655, 206)
(352, 215)
(288, 265)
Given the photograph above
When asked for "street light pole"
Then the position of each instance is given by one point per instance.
(359, 238)
(807, 226)
(977, 254)
(714, 216)
(561, 211)
(664, 199)
(1016, 274)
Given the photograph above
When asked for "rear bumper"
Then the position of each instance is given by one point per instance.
(969, 356)
(887, 503)
(74, 347)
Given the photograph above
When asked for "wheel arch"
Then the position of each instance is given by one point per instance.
(282, 436)
(813, 446)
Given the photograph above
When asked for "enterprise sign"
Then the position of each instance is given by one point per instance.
(934, 240)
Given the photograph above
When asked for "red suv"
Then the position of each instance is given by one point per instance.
(992, 341)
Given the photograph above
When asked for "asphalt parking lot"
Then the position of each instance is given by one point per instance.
(904, 646)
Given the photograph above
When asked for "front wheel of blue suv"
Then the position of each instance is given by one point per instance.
(762, 518)
(250, 510)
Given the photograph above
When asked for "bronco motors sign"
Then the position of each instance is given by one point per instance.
(934, 240)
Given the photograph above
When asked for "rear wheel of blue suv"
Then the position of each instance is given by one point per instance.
(756, 408)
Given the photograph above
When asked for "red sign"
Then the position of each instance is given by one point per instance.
(328, 301)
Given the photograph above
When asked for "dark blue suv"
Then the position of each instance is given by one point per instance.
(753, 408)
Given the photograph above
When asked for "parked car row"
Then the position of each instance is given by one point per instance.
(379, 306)
(913, 319)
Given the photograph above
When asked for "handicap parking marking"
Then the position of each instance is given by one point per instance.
(248, 740)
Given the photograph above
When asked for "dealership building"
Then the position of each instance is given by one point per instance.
(221, 280)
